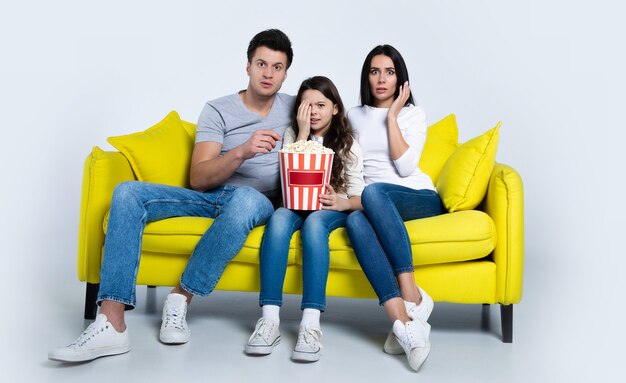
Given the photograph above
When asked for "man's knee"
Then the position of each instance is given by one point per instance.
(126, 190)
(249, 202)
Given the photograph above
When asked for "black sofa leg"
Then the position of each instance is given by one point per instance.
(506, 315)
(91, 294)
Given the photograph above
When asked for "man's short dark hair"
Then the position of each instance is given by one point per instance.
(273, 39)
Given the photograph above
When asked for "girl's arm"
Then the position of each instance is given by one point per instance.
(289, 137)
(354, 173)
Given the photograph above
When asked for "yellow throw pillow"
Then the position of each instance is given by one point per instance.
(441, 141)
(465, 176)
(160, 154)
(190, 127)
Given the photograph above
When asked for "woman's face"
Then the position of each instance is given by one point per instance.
(383, 80)
(322, 111)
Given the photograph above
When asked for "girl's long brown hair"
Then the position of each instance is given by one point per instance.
(339, 136)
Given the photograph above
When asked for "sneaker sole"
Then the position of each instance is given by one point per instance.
(262, 350)
(305, 356)
(174, 339)
(392, 347)
(91, 355)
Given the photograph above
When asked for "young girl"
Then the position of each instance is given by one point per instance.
(391, 131)
(318, 115)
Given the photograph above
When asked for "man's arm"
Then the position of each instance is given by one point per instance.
(210, 170)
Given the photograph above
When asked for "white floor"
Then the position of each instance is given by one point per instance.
(466, 344)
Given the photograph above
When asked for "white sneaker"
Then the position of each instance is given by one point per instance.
(421, 311)
(413, 337)
(174, 329)
(264, 338)
(99, 339)
(424, 309)
(309, 345)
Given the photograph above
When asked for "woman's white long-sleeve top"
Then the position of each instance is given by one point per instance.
(370, 127)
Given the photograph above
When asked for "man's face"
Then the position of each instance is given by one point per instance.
(267, 71)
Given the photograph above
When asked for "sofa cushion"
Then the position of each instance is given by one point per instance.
(190, 128)
(451, 237)
(464, 178)
(441, 141)
(160, 154)
(179, 236)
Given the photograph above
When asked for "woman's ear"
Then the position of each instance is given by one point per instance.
(335, 109)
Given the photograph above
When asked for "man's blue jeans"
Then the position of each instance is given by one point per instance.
(378, 235)
(236, 211)
(316, 228)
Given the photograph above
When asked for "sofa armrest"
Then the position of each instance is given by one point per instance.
(101, 174)
(504, 203)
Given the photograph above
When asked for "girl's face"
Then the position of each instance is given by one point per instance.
(383, 80)
(322, 111)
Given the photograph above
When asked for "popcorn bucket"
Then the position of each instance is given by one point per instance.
(303, 177)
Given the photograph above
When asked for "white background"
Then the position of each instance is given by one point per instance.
(74, 72)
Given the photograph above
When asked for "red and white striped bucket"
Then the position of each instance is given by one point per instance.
(303, 177)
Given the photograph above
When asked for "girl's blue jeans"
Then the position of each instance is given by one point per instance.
(378, 235)
(316, 228)
(236, 211)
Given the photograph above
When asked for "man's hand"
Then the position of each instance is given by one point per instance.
(261, 141)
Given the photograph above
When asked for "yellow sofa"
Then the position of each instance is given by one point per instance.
(471, 256)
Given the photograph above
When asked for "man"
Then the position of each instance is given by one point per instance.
(234, 179)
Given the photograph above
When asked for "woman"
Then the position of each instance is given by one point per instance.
(318, 116)
(391, 131)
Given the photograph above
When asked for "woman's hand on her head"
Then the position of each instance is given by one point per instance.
(400, 101)
(330, 200)
(304, 120)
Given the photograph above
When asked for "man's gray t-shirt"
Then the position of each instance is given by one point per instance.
(228, 122)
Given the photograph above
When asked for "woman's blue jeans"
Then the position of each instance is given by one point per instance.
(378, 235)
(236, 211)
(316, 228)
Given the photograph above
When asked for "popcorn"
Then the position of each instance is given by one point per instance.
(306, 147)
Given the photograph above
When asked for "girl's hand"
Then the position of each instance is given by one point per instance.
(304, 120)
(398, 103)
(330, 200)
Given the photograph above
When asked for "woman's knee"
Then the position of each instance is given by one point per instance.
(372, 193)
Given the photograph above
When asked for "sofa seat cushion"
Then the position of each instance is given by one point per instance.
(179, 236)
(451, 237)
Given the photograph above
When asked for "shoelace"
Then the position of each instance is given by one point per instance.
(173, 318)
(411, 340)
(312, 335)
(263, 329)
(88, 334)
